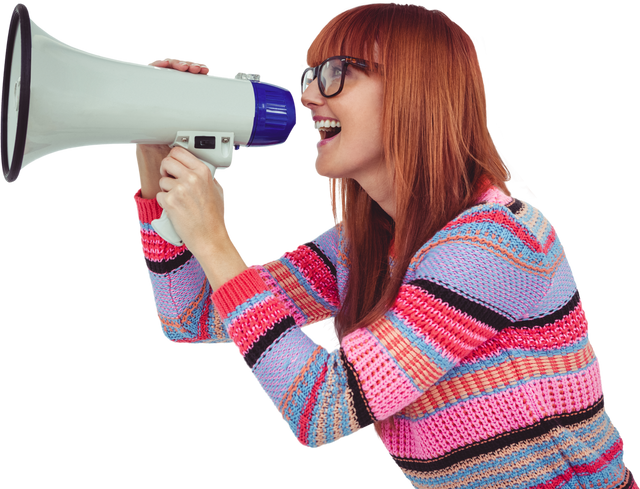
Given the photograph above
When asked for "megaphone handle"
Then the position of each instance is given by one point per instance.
(164, 226)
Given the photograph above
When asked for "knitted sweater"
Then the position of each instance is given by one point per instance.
(482, 369)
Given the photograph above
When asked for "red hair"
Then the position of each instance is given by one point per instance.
(435, 137)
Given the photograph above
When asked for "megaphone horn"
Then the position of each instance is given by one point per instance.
(17, 75)
(56, 97)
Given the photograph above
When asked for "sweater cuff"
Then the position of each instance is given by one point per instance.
(237, 291)
(148, 209)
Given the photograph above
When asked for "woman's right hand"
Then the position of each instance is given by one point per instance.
(150, 156)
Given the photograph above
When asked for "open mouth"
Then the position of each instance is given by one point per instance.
(326, 129)
(328, 132)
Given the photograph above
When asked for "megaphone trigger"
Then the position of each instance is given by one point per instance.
(214, 149)
(164, 227)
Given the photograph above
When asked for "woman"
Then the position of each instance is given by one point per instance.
(462, 334)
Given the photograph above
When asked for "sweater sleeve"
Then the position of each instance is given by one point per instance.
(304, 280)
(461, 289)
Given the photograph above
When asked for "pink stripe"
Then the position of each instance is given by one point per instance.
(451, 332)
(495, 195)
(386, 386)
(485, 417)
(564, 332)
(203, 327)
(157, 249)
(313, 269)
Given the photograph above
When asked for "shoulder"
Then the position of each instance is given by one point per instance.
(497, 229)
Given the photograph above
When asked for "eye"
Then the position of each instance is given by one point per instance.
(349, 71)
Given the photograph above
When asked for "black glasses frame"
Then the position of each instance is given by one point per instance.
(346, 60)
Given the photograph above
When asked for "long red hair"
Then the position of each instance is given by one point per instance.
(435, 137)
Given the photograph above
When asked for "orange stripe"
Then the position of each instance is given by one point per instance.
(411, 359)
(491, 247)
(498, 377)
(298, 294)
(444, 326)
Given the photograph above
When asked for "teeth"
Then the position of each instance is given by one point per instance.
(322, 124)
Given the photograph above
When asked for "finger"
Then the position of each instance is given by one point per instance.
(179, 65)
(161, 63)
(186, 158)
(198, 68)
(172, 168)
(176, 64)
(167, 184)
(194, 68)
(221, 189)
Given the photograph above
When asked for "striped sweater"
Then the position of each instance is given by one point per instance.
(481, 373)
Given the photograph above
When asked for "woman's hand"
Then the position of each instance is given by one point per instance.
(195, 203)
(176, 64)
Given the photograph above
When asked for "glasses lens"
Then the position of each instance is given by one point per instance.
(329, 79)
(307, 78)
(330, 76)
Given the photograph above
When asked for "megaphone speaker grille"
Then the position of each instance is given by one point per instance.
(22, 88)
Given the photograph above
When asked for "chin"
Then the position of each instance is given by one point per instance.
(317, 171)
(325, 170)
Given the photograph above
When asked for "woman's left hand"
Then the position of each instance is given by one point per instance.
(192, 199)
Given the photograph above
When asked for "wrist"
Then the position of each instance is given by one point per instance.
(220, 261)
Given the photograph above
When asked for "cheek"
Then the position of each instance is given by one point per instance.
(368, 136)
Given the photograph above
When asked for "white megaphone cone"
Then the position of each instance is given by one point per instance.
(56, 97)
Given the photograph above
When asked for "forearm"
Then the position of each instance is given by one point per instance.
(149, 158)
(220, 260)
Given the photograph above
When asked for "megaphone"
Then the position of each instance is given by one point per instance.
(56, 97)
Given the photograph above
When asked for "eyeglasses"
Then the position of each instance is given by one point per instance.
(330, 74)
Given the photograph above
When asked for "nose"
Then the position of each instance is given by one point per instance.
(311, 96)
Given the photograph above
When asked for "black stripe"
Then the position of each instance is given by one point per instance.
(324, 257)
(541, 428)
(168, 265)
(162, 267)
(628, 483)
(363, 411)
(488, 316)
(551, 318)
(516, 206)
(473, 309)
(259, 347)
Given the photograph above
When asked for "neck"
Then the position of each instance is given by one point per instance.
(380, 188)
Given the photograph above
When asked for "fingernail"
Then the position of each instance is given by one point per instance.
(182, 63)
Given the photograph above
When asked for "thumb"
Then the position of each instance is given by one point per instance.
(222, 190)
